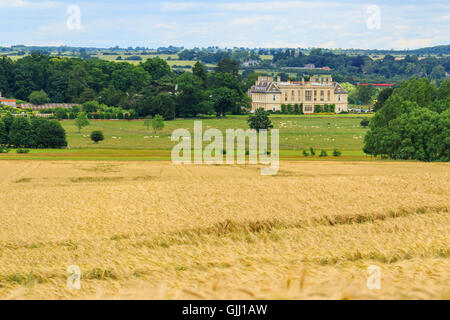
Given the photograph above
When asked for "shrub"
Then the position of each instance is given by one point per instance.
(4, 149)
(364, 123)
(336, 153)
(97, 136)
(22, 150)
(305, 153)
(323, 153)
(312, 151)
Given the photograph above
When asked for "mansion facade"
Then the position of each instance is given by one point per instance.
(319, 90)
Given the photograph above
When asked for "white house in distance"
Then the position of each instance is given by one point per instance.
(319, 90)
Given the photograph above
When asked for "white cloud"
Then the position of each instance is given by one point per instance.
(282, 44)
(27, 4)
(276, 5)
(179, 6)
(252, 20)
(400, 27)
(404, 43)
(329, 44)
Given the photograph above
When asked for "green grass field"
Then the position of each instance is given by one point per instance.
(130, 140)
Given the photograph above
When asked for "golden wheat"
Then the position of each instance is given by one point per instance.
(152, 230)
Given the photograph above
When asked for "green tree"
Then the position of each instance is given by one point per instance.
(157, 123)
(8, 120)
(364, 123)
(50, 134)
(39, 97)
(163, 104)
(409, 127)
(61, 114)
(260, 120)
(3, 133)
(77, 82)
(87, 94)
(365, 94)
(81, 121)
(97, 136)
(199, 71)
(20, 134)
(227, 65)
(90, 106)
(190, 95)
(383, 95)
(157, 68)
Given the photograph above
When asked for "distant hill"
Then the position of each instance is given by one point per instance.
(441, 49)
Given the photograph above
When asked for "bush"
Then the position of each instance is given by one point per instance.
(305, 153)
(364, 123)
(4, 149)
(97, 136)
(22, 150)
(312, 151)
(336, 153)
(323, 153)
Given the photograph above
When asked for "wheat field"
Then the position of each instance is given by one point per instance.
(153, 230)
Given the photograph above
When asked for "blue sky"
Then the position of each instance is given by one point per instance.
(228, 23)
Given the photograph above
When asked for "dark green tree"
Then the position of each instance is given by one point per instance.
(50, 134)
(3, 133)
(199, 71)
(97, 136)
(20, 133)
(39, 97)
(157, 68)
(260, 120)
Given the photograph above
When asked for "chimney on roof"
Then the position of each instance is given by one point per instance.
(278, 79)
(303, 81)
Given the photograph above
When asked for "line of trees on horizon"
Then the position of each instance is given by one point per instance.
(149, 88)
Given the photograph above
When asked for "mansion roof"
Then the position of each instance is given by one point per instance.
(267, 86)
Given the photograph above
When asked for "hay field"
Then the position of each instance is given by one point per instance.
(152, 230)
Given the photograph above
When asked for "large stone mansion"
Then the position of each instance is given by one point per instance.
(319, 90)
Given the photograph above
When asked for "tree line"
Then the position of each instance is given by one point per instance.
(21, 132)
(149, 88)
(354, 68)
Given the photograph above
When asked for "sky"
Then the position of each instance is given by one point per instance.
(374, 24)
